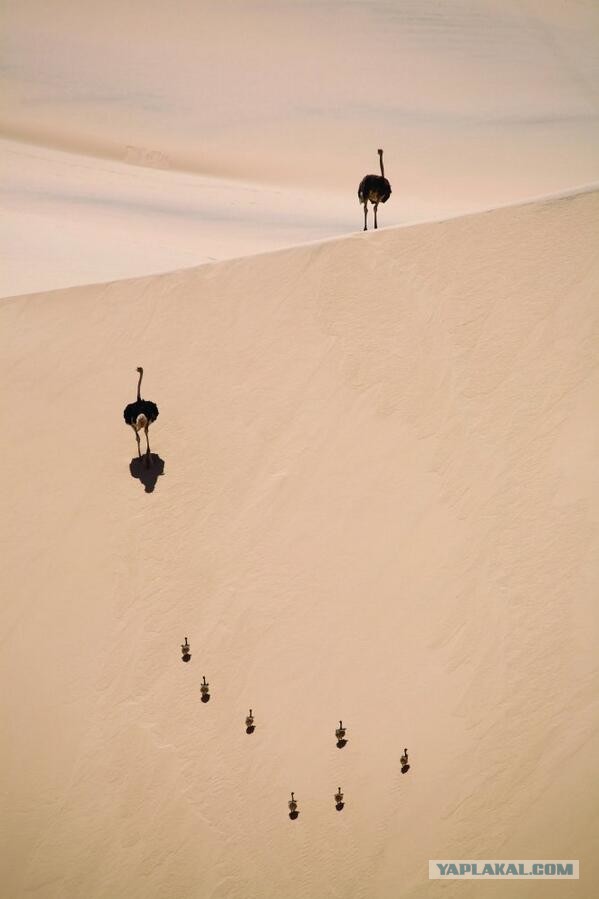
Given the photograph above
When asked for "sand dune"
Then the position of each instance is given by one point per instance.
(296, 92)
(378, 504)
(74, 219)
(193, 131)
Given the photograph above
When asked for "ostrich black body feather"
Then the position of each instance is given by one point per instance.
(374, 188)
(140, 407)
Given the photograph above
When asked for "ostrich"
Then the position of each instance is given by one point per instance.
(340, 734)
(340, 731)
(375, 188)
(141, 414)
(405, 766)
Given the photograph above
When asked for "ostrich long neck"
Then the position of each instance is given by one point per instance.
(381, 162)
(141, 374)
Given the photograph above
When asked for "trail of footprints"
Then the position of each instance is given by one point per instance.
(250, 727)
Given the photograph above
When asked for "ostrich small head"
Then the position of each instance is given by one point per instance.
(380, 152)
(141, 374)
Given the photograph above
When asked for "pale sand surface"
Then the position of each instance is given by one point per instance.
(73, 219)
(379, 503)
(187, 131)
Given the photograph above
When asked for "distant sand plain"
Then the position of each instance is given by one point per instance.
(159, 136)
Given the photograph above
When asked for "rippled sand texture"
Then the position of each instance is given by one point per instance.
(378, 503)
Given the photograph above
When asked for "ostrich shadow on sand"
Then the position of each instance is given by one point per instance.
(147, 469)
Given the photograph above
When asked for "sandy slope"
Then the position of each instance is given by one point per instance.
(379, 503)
(73, 219)
(195, 130)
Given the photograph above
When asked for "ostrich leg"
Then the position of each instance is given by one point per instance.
(138, 445)
(365, 214)
(376, 206)
(148, 445)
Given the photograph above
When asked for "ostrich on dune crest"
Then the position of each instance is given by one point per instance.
(141, 414)
(375, 188)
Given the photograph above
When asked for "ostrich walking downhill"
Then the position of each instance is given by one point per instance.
(140, 415)
(375, 188)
